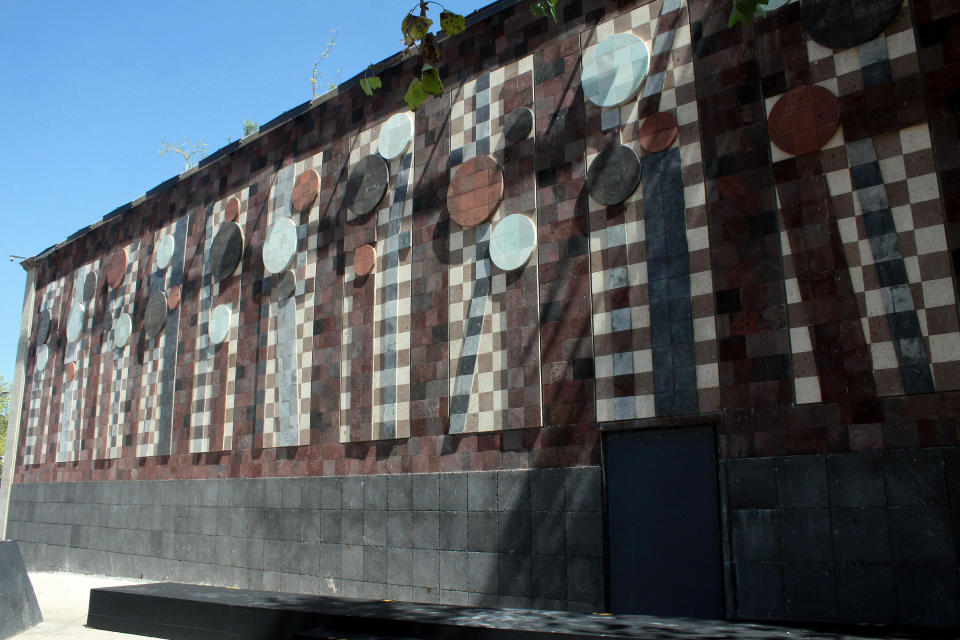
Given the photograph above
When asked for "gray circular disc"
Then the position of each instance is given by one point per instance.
(286, 286)
(155, 316)
(89, 286)
(75, 323)
(614, 69)
(218, 327)
(841, 24)
(613, 175)
(518, 124)
(226, 251)
(122, 328)
(43, 356)
(772, 5)
(280, 247)
(513, 241)
(367, 184)
(43, 327)
(163, 253)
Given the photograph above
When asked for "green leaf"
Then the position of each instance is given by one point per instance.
(430, 49)
(374, 83)
(415, 96)
(430, 80)
(414, 28)
(452, 23)
(365, 86)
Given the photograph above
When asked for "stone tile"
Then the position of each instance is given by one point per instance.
(802, 481)
(581, 487)
(755, 535)
(809, 591)
(546, 489)
(482, 530)
(915, 477)
(928, 596)
(453, 492)
(856, 479)
(752, 483)
(453, 531)
(482, 491)
(513, 491)
(922, 536)
(805, 535)
(861, 536)
(425, 491)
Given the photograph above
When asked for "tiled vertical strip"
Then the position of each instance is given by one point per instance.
(116, 365)
(660, 54)
(211, 409)
(391, 342)
(493, 348)
(41, 386)
(72, 403)
(894, 285)
(155, 424)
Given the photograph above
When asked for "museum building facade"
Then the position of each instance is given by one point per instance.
(645, 314)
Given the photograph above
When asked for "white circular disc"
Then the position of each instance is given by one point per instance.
(513, 241)
(395, 136)
(219, 326)
(163, 253)
(772, 5)
(614, 69)
(280, 247)
(122, 328)
(43, 355)
(75, 323)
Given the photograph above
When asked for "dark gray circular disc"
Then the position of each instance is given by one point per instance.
(841, 24)
(286, 285)
(613, 175)
(89, 286)
(367, 184)
(517, 124)
(43, 327)
(155, 317)
(226, 251)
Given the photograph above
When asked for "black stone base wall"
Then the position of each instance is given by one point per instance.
(857, 537)
(500, 539)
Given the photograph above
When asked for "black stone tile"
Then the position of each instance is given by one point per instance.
(755, 534)
(809, 592)
(903, 324)
(802, 481)
(889, 274)
(805, 535)
(922, 536)
(759, 590)
(866, 593)
(728, 301)
(868, 175)
(856, 479)
(915, 477)
(876, 73)
(929, 596)
(861, 535)
(951, 459)
(752, 483)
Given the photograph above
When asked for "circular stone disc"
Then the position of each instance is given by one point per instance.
(305, 190)
(518, 124)
(231, 210)
(841, 24)
(226, 250)
(155, 316)
(89, 287)
(513, 241)
(173, 298)
(280, 247)
(395, 136)
(475, 191)
(803, 119)
(75, 323)
(614, 69)
(286, 286)
(43, 356)
(163, 252)
(658, 132)
(70, 372)
(122, 328)
(43, 327)
(364, 260)
(773, 5)
(367, 184)
(613, 175)
(116, 268)
(219, 326)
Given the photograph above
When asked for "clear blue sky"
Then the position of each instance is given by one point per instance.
(88, 90)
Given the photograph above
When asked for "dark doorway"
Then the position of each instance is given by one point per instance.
(663, 522)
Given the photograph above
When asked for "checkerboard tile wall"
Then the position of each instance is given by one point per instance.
(118, 370)
(40, 407)
(493, 338)
(287, 360)
(375, 366)
(653, 308)
(159, 360)
(214, 371)
(73, 399)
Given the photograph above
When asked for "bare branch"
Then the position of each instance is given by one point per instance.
(317, 74)
(186, 149)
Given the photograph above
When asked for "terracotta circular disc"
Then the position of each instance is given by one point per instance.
(364, 260)
(841, 24)
(117, 268)
(305, 190)
(475, 191)
(613, 175)
(155, 317)
(43, 327)
(70, 372)
(89, 286)
(658, 132)
(803, 119)
(173, 298)
(231, 210)
(226, 250)
(286, 286)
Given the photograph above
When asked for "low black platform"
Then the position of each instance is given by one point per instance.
(181, 611)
